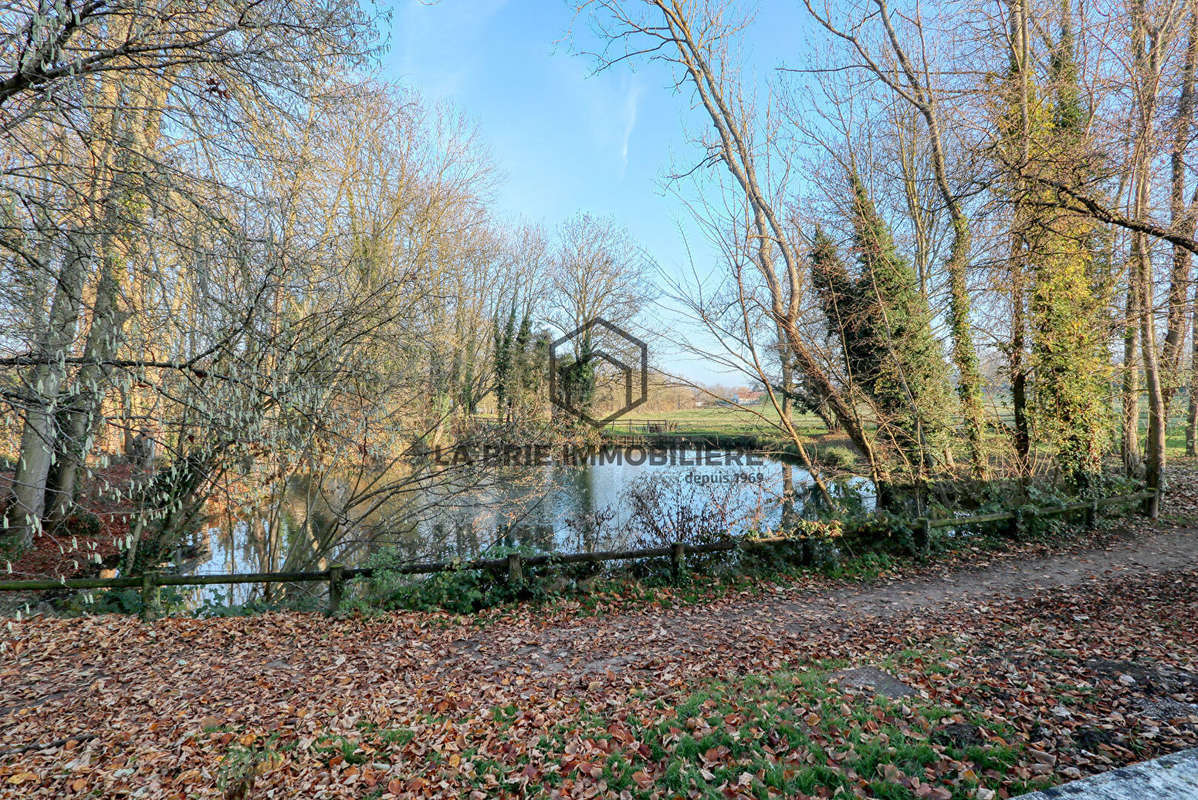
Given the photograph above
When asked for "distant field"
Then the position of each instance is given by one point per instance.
(732, 420)
(742, 420)
(724, 419)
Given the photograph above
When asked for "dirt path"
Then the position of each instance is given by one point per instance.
(109, 706)
(647, 639)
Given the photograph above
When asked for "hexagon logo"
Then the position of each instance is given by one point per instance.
(634, 379)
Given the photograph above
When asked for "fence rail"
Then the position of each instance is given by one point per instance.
(642, 426)
(514, 564)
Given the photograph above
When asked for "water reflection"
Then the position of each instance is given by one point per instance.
(601, 504)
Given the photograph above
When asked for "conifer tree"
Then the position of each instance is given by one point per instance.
(883, 324)
(909, 378)
(504, 362)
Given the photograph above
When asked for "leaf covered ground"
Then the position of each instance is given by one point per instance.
(86, 541)
(1027, 672)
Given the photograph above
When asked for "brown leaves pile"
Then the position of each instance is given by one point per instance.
(420, 705)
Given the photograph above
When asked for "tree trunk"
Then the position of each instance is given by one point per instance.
(81, 409)
(1192, 416)
(1182, 218)
(1017, 360)
(38, 436)
(1147, 44)
(1154, 472)
(1018, 368)
(738, 157)
(787, 373)
(965, 358)
(81, 414)
(1130, 446)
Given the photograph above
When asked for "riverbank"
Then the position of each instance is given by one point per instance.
(734, 427)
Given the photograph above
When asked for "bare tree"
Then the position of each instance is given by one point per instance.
(912, 81)
(596, 271)
(694, 39)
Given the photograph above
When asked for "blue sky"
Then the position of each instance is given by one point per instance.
(565, 139)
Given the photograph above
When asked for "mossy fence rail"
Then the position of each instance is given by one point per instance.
(514, 564)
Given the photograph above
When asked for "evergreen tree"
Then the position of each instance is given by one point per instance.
(883, 323)
(908, 381)
(504, 362)
(837, 292)
(519, 363)
(466, 398)
(524, 366)
(577, 377)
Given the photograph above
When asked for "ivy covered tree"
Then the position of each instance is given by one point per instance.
(883, 324)
(520, 360)
(1070, 407)
(576, 376)
(503, 363)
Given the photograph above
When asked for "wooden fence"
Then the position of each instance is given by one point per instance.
(513, 565)
(642, 426)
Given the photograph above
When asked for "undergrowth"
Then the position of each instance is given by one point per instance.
(854, 547)
(857, 544)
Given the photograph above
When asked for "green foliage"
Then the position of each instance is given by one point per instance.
(1070, 410)
(728, 733)
(504, 372)
(1069, 114)
(462, 591)
(520, 358)
(171, 600)
(243, 762)
(865, 567)
(180, 600)
(577, 377)
(907, 378)
(214, 607)
(883, 323)
(838, 458)
(878, 532)
(109, 601)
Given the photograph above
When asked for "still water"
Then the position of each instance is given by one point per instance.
(613, 499)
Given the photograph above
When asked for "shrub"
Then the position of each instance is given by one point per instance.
(171, 600)
(879, 532)
(663, 511)
(838, 457)
(462, 591)
(253, 607)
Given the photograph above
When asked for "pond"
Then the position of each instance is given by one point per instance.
(618, 497)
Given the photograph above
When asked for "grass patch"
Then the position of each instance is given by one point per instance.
(761, 419)
(759, 735)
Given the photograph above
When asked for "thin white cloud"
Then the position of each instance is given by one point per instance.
(632, 99)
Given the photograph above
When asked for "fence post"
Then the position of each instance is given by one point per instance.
(515, 568)
(336, 583)
(923, 536)
(1015, 524)
(1148, 507)
(1092, 515)
(150, 609)
(677, 559)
